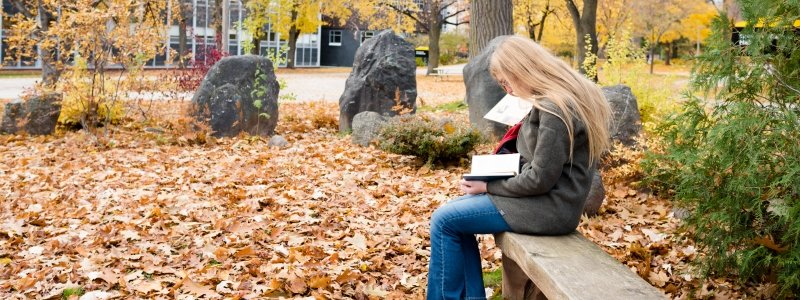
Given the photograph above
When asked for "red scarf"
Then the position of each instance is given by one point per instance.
(509, 140)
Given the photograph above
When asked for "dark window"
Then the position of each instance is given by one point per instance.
(335, 38)
(367, 35)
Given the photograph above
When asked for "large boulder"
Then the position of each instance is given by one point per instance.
(232, 98)
(626, 122)
(483, 92)
(37, 116)
(383, 79)
(366, 126)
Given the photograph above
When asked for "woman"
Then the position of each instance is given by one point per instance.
(559, 142)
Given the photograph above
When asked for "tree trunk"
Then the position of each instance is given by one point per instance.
(256, 46)
(541, 23)
(531, 28)
(225, 26)
(585, 23)
(293, 34)
(183, 40)
(652, 58)
(668, 59)
(50, 72)
(434, 34)
(489, 19)
(217, 17)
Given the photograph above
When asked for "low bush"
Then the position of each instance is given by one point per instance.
(435, 141)
(89, 103)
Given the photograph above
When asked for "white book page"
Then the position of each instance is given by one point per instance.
(497, 163)
(510, 110)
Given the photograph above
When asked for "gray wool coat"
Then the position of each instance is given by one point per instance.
(547, 197)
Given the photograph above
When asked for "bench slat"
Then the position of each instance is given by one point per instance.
(572, 267)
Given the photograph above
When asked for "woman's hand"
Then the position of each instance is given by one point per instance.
(473, 187)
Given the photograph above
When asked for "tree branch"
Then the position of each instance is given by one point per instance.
(455, 13)
(409, 14)
(22, 9)
(455, 24)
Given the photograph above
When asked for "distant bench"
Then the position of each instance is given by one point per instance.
(446, 72)
(566, 267)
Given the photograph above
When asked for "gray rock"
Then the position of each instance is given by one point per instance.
(597, 194)
(227, 98)
(626, 122)
(681, 213)
(278, 141)
(42, 113)
(366, 126)
(37, 116)
(383, 79)
(11, 118)
(483, 92)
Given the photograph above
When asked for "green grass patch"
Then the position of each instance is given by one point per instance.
(73, 291)
(494, 280)
(454, 106)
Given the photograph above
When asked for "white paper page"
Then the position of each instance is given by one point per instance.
(510, 110)
(497, 163)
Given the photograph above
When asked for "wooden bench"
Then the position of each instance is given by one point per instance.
(566, 267)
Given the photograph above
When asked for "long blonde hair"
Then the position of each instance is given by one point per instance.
(535, 74)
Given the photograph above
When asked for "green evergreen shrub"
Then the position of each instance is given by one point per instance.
(734, 159)
(435, 141)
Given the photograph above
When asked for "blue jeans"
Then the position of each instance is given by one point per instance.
(455, 265)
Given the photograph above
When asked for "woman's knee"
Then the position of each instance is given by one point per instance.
(441, 217)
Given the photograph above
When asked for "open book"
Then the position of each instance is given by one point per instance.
(510, 110)
(491, 167)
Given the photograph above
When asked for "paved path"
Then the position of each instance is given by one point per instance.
(305, 86)
(11, 88)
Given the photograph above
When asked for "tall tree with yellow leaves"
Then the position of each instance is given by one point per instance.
(612, 17)
(657, 20)
(531, 15)
(289, 18)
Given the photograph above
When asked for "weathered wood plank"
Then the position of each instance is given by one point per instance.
(572, 267)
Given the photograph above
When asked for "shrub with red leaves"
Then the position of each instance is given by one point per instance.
(190, 78)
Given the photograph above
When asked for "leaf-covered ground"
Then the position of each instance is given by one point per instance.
(154, 210)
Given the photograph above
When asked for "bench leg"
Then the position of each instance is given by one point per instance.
(517, 285)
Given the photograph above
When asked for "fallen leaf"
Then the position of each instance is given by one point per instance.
(319, 282)
(246, 251)
(359, 241)
(296, 285)
(658, 278)
(199, 290)
(147, 286)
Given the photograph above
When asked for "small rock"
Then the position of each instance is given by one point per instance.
(366, 126)
(597, 195)
(154, 130)
(278, 141)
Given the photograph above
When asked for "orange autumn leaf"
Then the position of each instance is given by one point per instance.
(319, 282)
(244, 252)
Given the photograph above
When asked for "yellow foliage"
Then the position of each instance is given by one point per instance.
(626, 65)
(81, 96)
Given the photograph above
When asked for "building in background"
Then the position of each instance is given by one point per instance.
(200, 37)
